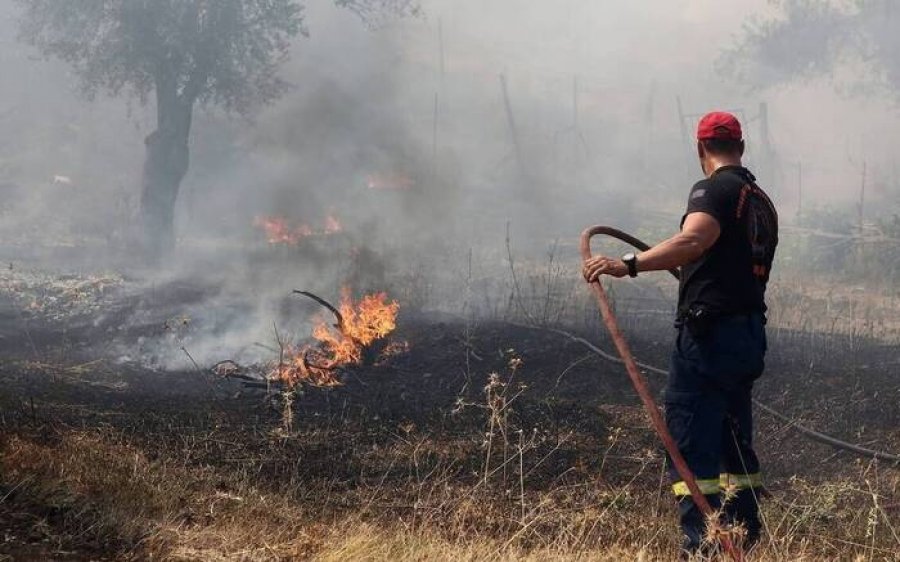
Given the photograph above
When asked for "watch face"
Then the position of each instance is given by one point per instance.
(628, 257)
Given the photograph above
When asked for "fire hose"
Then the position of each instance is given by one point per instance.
(643, 390)
(807, 432)
(646, 397)
(640, 384)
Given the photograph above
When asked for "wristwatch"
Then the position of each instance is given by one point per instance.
(630, 260)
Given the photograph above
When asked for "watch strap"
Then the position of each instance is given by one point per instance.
(631, 262)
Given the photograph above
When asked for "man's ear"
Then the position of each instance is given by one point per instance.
(701, 150)
(742, 148)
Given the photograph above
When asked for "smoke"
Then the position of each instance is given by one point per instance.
(424, 137)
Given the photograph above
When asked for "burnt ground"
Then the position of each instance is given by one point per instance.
(573, 417)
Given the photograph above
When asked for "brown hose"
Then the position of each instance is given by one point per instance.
(640, 385)
(618, 235)
(810, 433)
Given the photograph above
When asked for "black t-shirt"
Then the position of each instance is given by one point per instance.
(730, 277)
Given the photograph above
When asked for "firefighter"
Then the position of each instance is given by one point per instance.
(725, 250)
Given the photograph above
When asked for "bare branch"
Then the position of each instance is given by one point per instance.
(337, 313)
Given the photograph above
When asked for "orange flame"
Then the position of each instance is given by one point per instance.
(279, 230)
(371, 319)
(390, 181)
(332, 225)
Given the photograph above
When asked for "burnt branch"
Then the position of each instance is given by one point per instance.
(328, 305)
(341, 324)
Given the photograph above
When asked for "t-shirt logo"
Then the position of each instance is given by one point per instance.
(698, 193)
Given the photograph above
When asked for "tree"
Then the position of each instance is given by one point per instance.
(812, 38)
(181, 53)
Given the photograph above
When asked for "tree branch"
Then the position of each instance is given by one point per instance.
(337, 313)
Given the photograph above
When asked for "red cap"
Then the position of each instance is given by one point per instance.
(719, 125)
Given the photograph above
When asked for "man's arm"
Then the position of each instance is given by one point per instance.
(698, 233)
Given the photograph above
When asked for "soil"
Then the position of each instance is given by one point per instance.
(63, 370)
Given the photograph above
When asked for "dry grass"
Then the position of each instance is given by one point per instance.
(192, 482)
(812, 306)
(96, 488)
(368, 543)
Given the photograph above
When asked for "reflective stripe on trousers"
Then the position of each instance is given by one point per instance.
(724, 482)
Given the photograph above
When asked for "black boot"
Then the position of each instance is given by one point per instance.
(743, 509)
(693, 526)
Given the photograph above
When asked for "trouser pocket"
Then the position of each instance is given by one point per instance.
(732, 354)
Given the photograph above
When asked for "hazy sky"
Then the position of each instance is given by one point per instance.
(631, 61)
(364, 102)
(621, 52)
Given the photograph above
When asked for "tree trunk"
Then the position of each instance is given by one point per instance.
(165, 165)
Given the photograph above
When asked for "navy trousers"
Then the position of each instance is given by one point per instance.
(709, 413)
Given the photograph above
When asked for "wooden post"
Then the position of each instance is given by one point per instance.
(576, 132)
(648, 127)
(441, 46)
(764, 124)
(436, 115)
(768, 156)
(434, 138)
(862, 198)
(683, 127)
(511, 121)
(685, 138)
(575, 102)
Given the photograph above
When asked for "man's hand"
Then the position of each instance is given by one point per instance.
(602, 265)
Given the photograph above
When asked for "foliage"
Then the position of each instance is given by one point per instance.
(828, 218)
(224, 52)
(815, 38)
(374, 11)
(890, 226)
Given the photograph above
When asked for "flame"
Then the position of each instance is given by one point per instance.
(332, 225)
(390, 181)
(279, 230)
(372, 319)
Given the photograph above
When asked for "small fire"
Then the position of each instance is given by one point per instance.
(332, 225)
(279, 230)
(364, 324)
(390, 181)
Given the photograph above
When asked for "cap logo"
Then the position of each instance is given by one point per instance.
(722, 130)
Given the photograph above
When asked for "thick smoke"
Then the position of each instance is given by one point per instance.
(424, 137)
